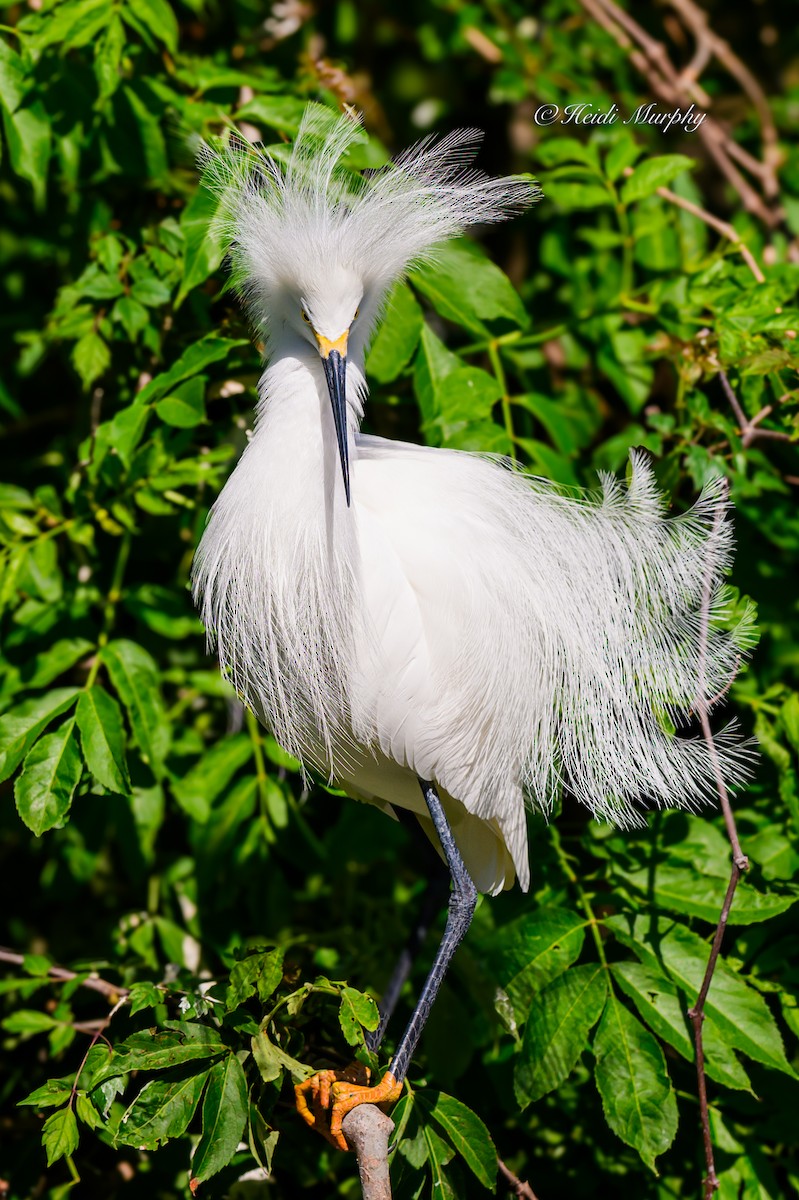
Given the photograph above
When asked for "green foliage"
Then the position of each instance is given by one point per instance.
(153, 835)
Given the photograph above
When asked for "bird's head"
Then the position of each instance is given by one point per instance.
(315, 246)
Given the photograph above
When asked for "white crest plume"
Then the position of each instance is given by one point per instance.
(286, 216)
(461, 622)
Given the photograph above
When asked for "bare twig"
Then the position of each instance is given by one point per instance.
(708, 45)
(750, 426)
(517, 1186)
(367, 1131)
(113, 991)
(722, 227)
(673, 87)
(739, 864)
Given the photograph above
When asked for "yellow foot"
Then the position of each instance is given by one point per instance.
(346, 1089)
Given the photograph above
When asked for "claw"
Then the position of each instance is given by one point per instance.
(346, 1091)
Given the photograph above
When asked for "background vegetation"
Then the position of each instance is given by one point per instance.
(150, 834)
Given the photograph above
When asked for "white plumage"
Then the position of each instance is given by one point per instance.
(460, 621)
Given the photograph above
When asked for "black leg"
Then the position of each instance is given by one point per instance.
(463, 900)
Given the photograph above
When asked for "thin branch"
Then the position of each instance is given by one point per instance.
(740, 863)
(113, 991)
(517, 1186)
(673, 87)
(722, 227)
(100, 1033)
(368, 1131)
(750, 427)
(709, 44)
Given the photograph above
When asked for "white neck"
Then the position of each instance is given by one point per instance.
(295, 435)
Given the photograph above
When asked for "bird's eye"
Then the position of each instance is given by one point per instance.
(354, 315)
(305, 316)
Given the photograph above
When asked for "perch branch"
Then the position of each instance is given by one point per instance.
(113, 991)
(367, 1131)
(740, 863)
(518, 1187)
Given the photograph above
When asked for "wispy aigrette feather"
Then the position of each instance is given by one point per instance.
(461, 622)
(285, 216)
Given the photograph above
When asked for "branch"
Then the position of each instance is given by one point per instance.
(651, 59)
(750, 427)
(367, 1131)
(739, 864)
(519, 1187)
(113, 991)
(722, 227)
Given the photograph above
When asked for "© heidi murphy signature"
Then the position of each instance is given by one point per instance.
(586, 113)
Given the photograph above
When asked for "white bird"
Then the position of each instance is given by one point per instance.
(398, 614)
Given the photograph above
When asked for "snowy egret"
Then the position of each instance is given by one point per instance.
(433, 630)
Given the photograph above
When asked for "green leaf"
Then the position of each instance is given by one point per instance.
(531, 951)
(257, 972)
(50, 774)
(54, 661)
(739, 1013)
(91, 358)
(211, 774)
(557, 1030)
(151, 292)
(357, 1012)
(156, 1052)
(205, 241)
(103, 739)
(665, 1012)
(397, 337)
(679, 888)
(282, 113)
(135, 677)
(637, 1096)
(132, 316)
(464, 286)
(185, 407)
(225, 1111)
(60, 1135)
(654, 173)
(432, 364)
(55, 1091)
(571, 195)
(622, 155)
(466, 1132)
(158, 16)
(20, 727)
(272, 1060)
(28, 133)
(27, 1021)
(144, 995)
(208, 350)
(164, 1107)
(154, 153)
(107, 59)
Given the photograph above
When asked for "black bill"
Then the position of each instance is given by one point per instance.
(336, 375)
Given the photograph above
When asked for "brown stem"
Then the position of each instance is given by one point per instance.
(716, 223)
(367, 1131)
(651, 59)
(739, 864)
(750, 428)
(113, 991)
(518, 1186)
